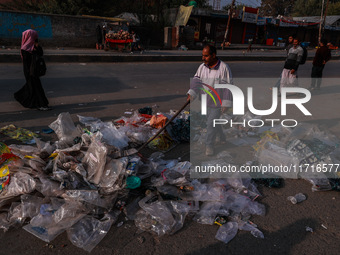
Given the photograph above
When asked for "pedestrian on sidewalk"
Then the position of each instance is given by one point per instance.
(32, 94)
(289, 44)
(322, 56)
(289, 74)
(99, 37)
(250, 42)
(212, 71)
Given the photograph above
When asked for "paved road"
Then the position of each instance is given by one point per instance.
(106, 91)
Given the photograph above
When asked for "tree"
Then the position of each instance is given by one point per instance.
(71, 7)
(304, 8)
(276, 7)
(313, 8)
(334, 9)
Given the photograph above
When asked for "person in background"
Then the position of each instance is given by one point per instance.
(322, 56)
(212, 71)
(289, 44)
(289, 74)
(250, 42)
(99, 37)
(32, 94)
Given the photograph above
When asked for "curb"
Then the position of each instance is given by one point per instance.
(10, 58)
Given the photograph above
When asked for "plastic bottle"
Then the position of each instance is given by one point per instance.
(297, 198)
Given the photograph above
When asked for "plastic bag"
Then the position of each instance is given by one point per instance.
(94, 160)
(30, 205)
(253, 230)
(111, 135)
(111, 179)
(48, 232)
(48, 187)
(227, 232)
(88, 232)
(208, 213)
(20, 183)
(64, 128)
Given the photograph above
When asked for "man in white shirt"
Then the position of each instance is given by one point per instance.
(212, 71)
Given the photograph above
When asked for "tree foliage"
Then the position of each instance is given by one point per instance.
(97, 7)
(276, 7)
(313, 8)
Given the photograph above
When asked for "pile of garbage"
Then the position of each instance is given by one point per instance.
(120, 35)
(303, 151)
(92, 175)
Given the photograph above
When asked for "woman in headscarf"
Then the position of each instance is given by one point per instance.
(32, 94)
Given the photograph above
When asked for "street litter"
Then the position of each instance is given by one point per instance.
(309, 229)
(83, 182)
(19, 134)
(298, 198)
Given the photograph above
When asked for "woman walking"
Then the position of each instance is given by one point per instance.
(32, 94)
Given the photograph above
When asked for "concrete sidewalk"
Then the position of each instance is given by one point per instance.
(11, 55)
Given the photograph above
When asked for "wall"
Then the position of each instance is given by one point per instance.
(53, 30)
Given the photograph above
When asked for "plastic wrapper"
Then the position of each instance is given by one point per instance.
(49, 188)
(182, 167)
(111, 135)
(4, 223)
(15, 214)
(94, 161)
(112, 176)
(227, 232)
(88, 196)
(89, 231)
(254, 208)
(35, 163)
(48, 230)
(45, 149)
(65, 129)
(23, 150)
(20, 183)
(30, 205)
(140, 134)
(157, 210)
(319, 181)
(173, 177)
(236, 202)
(170, 222)
(208, 213)
(252, 229)
(207, 192)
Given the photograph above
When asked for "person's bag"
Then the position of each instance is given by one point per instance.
(304, 56)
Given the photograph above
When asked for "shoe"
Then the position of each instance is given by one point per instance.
(317, 88)
(311, 88)
(44, 108)
(209, 151)
(131, 52)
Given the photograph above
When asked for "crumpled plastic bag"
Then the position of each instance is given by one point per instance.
(65, 129)
(89, 231)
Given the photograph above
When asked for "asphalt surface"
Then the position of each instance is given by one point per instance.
(107, 90)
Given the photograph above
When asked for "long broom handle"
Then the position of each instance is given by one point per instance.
(163, 128)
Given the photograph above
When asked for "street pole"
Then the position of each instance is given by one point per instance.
(228, 24)
(321, 20)
(324, 18)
